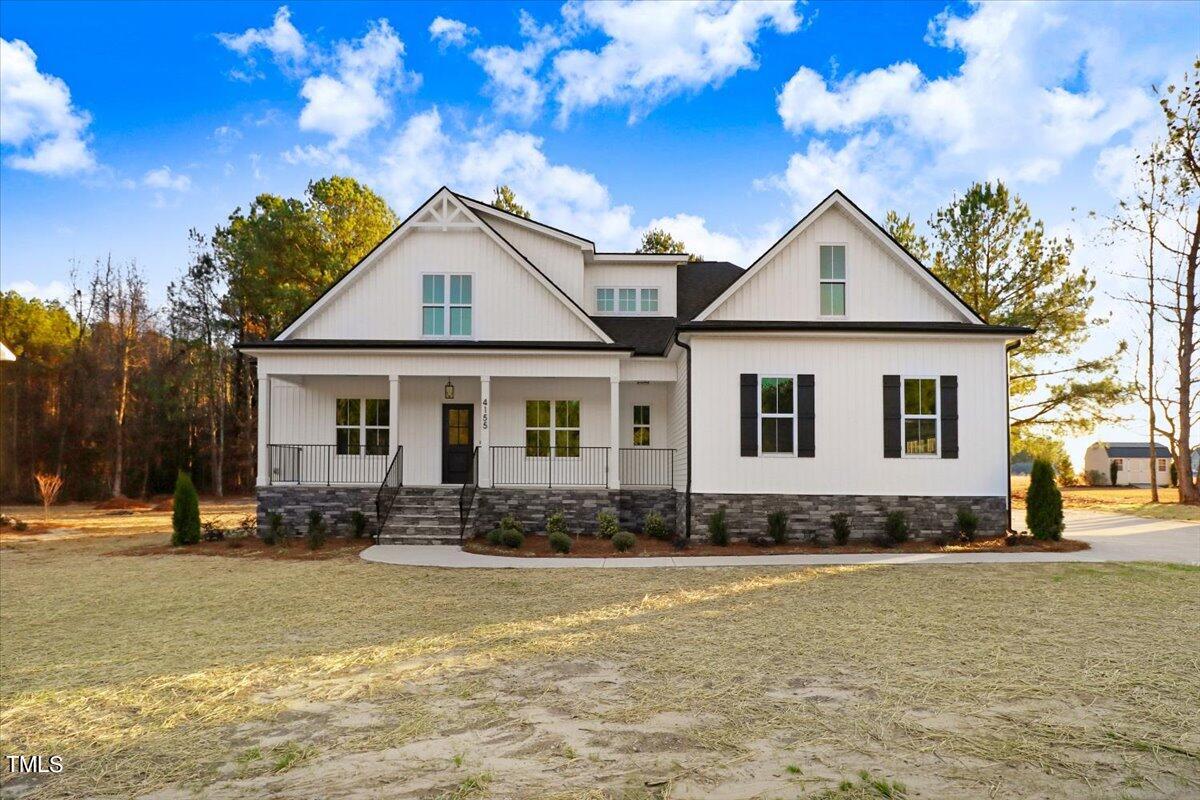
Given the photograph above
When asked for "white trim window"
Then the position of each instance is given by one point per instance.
(777, 415)
(833, 280)
(649, 300)
(627, 300)
(361, 426)
(560, 428)
(447, 311)
(641, 426)
(920, 416)
(606, 300)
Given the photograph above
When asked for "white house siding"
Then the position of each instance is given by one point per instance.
(849, 416)
(678, 418)
(631, 275)
(384, 300)
(878, 286)
(561, 261)
(658, 397)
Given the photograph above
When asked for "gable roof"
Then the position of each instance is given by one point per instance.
(837, 198)
(454, 213)
(527, 222)
(698, 283)
(1134, 450)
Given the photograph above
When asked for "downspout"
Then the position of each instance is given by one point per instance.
(1008, 348)
(687, 496)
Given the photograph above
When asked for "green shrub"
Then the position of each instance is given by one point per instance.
(1043, 503)
(1093, 477)
(509, 523)
(185, 518)
(511, 537)
(777, 526)
(358, 523)
(560, 542)
(896, 527)
(274, 532)
(496, 536)
(883, 540)
(718, 530)
(623, 540)
(315, 535)
(968, 524)
(655, 526)
(608, 525)
(841, 528)
(556, 523)
(1112, 474)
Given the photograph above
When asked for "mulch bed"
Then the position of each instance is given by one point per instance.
(537, 545)
(253, 547)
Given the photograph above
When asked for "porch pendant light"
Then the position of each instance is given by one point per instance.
(449, 390)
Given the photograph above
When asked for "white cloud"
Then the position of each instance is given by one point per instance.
(694, 232)
(285, 44)
(225, 136)
(37, 118)
(658, 50)
(513, 79)
(446, 32)
(164, 178)
(54, 290)
(872, 169)
(414, 163)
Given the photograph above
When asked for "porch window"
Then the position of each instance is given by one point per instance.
(833, 280)
(446, 311)
(641, 426)
(777, 415)
(550, 423)
(605, 301)
(361, 426)
(920, 417)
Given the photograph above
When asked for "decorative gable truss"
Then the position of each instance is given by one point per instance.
(443, 213)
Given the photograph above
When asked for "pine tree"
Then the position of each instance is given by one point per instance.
(1043, 504)
(185, 519)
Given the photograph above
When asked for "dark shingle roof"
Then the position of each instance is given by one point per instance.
(699, 283)
(1135, 450)
(648, 336)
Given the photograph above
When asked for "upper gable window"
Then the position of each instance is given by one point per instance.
(833, 280)
(446, 305)
(649, 301)
(606, 301)
(627, 300)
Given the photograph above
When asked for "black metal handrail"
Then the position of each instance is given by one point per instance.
(326, 464)
(466, 495)
(534, 465)
(389, 489)
(646, 466)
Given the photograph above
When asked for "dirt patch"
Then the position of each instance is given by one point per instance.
(122, 503)
(538, 546)
(252, 548)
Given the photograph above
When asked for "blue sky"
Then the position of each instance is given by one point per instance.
(124, 125)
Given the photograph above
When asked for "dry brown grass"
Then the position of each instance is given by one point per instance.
(84, 520)
(1116, 499)
(304, 679)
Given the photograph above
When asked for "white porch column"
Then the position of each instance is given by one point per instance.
(264, 430)
(393, 416)
(485, 430)
(614, 430)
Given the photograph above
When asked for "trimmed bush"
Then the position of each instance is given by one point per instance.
(274, 532)
(185, 517)
(1043, 503)
(496, 536)
(718, 530)
(896, 527)
(1112, 473)
(655, 526)
(511, 537)
(358, 523)
(841, 528)
(967, 523)
(556, 523)
(315, 535)
(1093, 477)
(623, 540)
(560, 542)
(608, 525)
(777, 526)
(509, 523)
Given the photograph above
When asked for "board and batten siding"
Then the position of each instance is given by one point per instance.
(650, 276)
(848, 409)
(561, 261)
(678, 420)
(878, 286)
(384, 301)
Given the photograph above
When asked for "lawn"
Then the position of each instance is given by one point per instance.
(236, 678)
(1116, 499)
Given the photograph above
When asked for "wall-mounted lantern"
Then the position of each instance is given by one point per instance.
(449, 390)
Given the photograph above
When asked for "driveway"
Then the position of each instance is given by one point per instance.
(1113, 537)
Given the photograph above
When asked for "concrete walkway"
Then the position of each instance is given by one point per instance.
(1113, 537)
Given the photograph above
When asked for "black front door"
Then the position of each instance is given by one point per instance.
(458, 442)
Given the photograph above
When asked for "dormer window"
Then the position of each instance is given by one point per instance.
(606, 301)
(627, 300)
(833, 280)
(446, 305)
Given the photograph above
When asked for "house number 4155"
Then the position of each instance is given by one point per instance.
(484, 414)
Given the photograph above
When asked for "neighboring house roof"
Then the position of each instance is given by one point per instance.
(1134, 450)
(851, 325)
(5, 353)
(698, 283)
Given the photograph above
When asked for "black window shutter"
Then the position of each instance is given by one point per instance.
(949, 416)
(749, 414)
(806, 444)
(891, 416)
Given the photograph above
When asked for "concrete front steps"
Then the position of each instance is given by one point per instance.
(423, 515)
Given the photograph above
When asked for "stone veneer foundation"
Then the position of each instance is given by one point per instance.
(336, 504)
(746, 514)
(531, 506)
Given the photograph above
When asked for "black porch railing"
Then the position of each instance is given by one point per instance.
(326, 464)
(646, 466)
(531, 465)
(466, 495)
(385, 498)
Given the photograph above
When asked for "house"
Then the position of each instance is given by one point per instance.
(1133, 462)
(477, 364)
